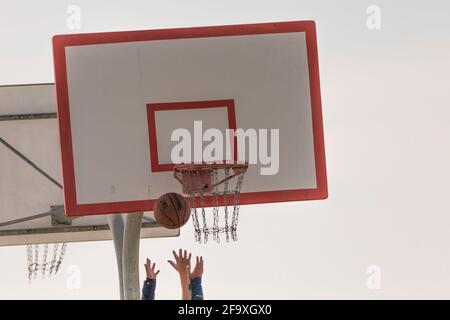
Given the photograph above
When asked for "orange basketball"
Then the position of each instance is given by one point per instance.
(171, 210)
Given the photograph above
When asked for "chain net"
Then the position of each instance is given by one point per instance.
(40, 263)
(214, 197)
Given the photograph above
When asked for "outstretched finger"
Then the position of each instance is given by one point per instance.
(153, 267)
(177, 258)
(156, 273)
(173, 264)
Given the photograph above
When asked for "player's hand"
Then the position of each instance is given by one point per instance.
(182, 263)
(198, 270)
(150, 269)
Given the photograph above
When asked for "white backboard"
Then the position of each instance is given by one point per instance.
(25, 192)
(121, 96)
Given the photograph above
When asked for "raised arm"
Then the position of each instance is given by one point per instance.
(182, 266)
(148, 289)
(196, 280)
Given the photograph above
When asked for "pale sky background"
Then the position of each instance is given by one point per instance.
(386, 119)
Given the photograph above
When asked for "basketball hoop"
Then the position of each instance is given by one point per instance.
(210, 185)
(39, 263)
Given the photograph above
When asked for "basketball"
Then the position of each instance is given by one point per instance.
(171, 210)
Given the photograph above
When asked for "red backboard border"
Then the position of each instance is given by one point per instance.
(60, 42)
(156, 166)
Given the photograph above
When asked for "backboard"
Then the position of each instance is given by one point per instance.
(132, 104)
(28, 125)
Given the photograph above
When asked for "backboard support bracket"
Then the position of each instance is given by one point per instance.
(60, 223)
(30, 163)
(28, 116)
(59, 218)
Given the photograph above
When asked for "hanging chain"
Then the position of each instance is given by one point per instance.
(61, 257)
(225, 202)
(44, 260)
(205, 225)
(216, 230)
(236, 206)
(193, 206)
(45, 266)
(194, 212)
(36, 260)
(196, 225)
(197, 197)
(53, 262)
(30, 261)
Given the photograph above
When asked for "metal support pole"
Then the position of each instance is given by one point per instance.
(31, 163)
(116, 224)
(130, 260)
(28, 116)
